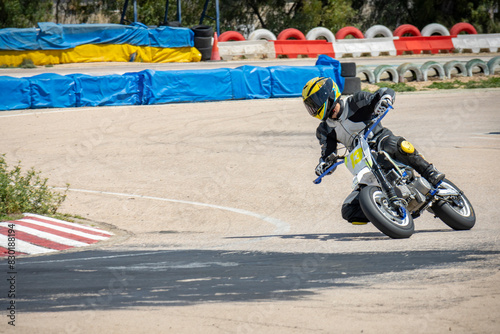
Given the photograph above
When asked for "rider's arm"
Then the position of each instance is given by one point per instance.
(327, 139)
(362, 104)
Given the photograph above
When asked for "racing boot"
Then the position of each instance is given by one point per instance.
(432, 175)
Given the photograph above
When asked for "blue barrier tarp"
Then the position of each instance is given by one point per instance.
(251, 82)
(331, 68)
(52, 91)
(154, 87)
(19, 39)
(288, 81)
(108, 90)
(15, 93)
(186, 86)
(52, 36)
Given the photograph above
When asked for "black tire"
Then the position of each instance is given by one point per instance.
(374, 205)
(203, 31)
(348, 70)
(455, 216)
(206, 53)
(174, 24)
(351, 86)
(202, 42)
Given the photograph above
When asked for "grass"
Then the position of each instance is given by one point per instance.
(398, 87)
(491, 82)
(25, 192)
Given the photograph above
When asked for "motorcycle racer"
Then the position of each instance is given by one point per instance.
(342, 119)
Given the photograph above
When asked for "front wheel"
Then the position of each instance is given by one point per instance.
(376, 207)
(454, 210)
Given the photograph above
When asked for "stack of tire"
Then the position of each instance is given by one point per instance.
(203, 35)
(352, 82)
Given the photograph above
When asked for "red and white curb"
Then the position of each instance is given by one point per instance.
(35, 234)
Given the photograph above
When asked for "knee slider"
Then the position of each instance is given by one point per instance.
(405, 146)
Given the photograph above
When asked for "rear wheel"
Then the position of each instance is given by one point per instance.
(455, 211)
(376, 207)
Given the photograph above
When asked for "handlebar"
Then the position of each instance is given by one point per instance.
(372, 126)
(332, 167)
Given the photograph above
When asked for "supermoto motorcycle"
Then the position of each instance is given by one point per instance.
(392, 194)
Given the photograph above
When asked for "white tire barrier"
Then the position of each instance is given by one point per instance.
(318, 32)
(378, 30)
(421, 72)
(493, 63)
(391, 71)
(452, 65)
(249, 49)
(473, 63)
(477, 42)
(435, 28)
(409, 67)
(367, 72)
(358, 47)
(261, 34)
(434, 66)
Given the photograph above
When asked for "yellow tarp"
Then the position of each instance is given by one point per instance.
(101, 53)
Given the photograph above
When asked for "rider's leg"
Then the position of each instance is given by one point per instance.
(351, 210)
(400, 149)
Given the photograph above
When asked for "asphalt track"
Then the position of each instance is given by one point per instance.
(219, 227)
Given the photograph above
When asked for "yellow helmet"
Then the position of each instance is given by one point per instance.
(316, 94)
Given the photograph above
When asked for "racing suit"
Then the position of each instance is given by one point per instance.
(355, 113)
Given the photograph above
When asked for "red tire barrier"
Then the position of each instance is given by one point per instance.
(407, 29)
(231, 36)
(291, 33)
(346, 31)
(463, 27)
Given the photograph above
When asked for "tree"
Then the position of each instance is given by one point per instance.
(24, 13)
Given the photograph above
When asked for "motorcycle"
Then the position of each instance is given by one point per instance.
(393, 195)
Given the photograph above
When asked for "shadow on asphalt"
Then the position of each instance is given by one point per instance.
(364, 236)
(98, 280)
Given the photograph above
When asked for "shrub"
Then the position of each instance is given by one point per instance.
(26, 192)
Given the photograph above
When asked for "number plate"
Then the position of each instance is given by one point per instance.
(359, 158)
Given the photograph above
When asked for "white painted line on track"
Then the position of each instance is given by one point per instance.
(281, 226)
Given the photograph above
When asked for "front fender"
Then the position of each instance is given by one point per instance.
(364, 177)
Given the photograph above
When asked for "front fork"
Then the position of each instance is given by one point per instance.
(382, 180)
(387, 188)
